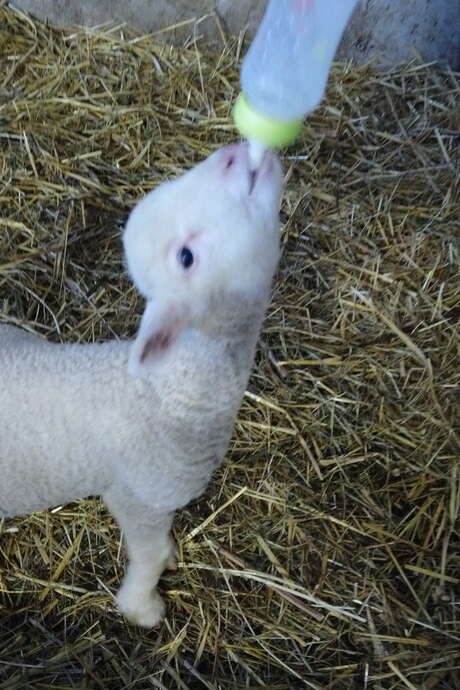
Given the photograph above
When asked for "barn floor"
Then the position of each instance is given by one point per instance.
(326, 552)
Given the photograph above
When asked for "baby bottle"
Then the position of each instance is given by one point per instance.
(285, 71)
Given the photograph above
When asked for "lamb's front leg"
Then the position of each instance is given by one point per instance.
(151, 549)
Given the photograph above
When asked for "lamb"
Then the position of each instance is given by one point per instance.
(143, 424)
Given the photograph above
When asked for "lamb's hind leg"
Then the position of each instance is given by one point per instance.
(151, 549)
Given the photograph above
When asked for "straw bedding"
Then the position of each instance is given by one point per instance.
(325, 553)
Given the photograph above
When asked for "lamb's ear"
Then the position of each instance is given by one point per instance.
(160, 327)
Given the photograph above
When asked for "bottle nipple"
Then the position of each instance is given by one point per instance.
(256, 153)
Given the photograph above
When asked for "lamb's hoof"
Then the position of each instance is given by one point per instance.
(146, 612)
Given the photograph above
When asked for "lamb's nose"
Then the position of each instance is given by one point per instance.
(235, 154)
(229, 160)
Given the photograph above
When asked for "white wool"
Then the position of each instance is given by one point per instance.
(144, 423)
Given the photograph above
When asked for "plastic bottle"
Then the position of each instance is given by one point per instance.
(285, 71)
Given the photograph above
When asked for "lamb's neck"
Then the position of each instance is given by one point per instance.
(236, 321)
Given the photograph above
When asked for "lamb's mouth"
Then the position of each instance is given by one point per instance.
(252, 180)
(255, 174)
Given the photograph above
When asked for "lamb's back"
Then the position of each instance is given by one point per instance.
(57, 411)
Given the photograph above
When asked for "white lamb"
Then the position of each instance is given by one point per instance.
(145, 423)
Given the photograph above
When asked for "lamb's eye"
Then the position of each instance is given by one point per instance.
(186, 257)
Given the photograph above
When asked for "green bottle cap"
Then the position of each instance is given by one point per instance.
(253, 125)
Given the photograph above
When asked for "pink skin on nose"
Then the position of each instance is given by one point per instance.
(235, 153)
(235, 160)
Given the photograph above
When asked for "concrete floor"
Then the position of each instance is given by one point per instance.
(387, 31)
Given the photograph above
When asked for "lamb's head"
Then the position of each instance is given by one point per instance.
(206, 239)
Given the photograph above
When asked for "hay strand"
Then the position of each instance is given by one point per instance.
(325, 553)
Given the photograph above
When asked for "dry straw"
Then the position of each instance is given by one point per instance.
(325, 554)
